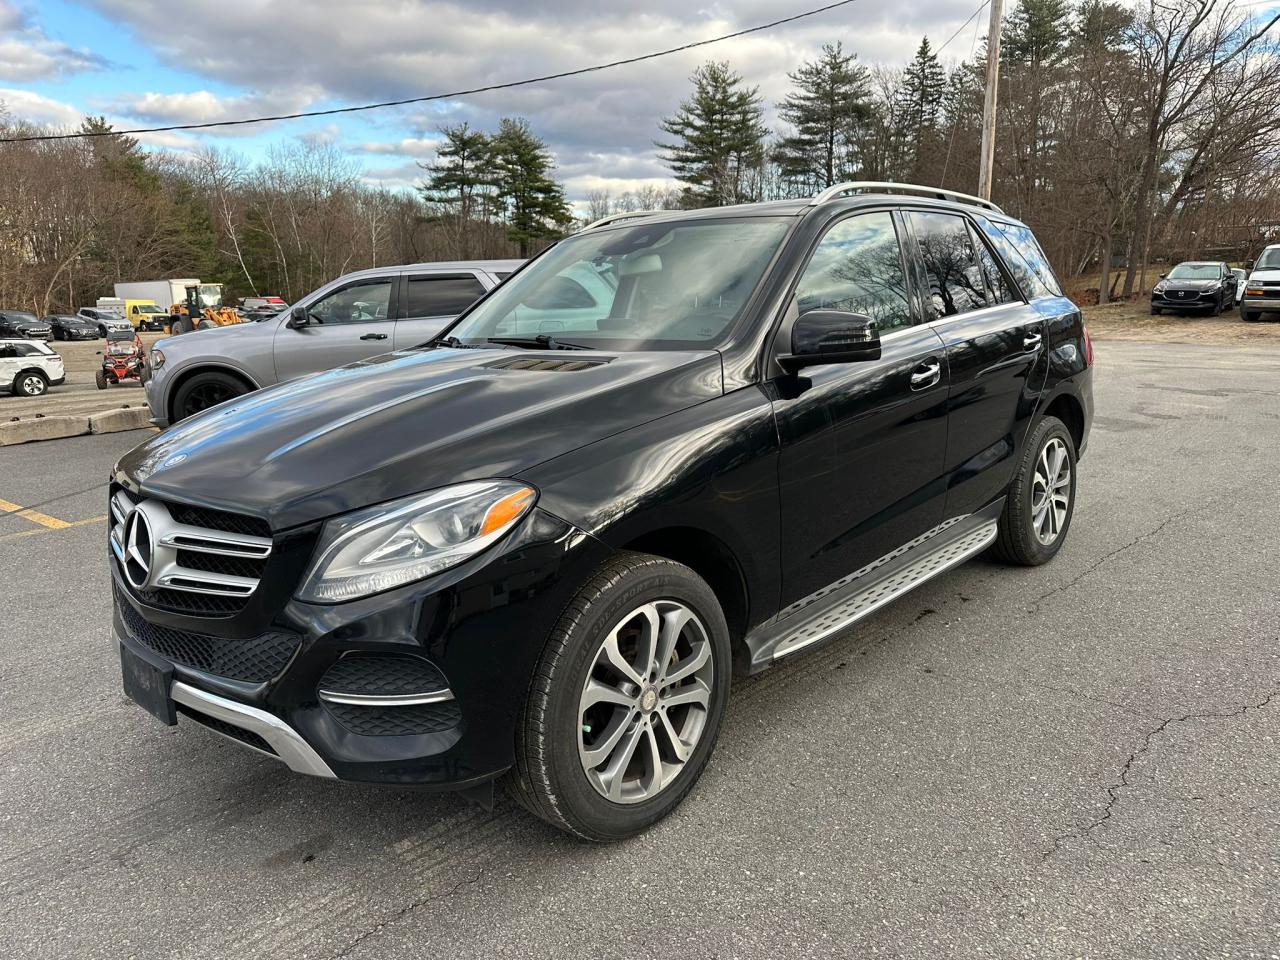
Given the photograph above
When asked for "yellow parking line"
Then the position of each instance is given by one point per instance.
(53, 523)
(62, 525)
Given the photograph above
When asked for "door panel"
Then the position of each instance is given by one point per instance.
(861, 470)
(347, 324)
(429, 302)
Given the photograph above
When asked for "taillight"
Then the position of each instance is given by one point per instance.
(1088, 348)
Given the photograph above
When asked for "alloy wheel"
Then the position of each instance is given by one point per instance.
(1051, 491)
(32, 386)
(643, 707)
(207, 395)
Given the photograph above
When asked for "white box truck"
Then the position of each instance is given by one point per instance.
(164, 293)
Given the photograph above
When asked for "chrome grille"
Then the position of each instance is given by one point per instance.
(160, 555)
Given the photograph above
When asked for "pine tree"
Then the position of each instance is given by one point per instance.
(718, 133)
(924, 85)
(460, 171)
(829, 109)
(533, 202)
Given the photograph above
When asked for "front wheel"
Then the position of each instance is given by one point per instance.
(1249, 316)
(1156, 311)
(205, 390)
(1041, 500)
(626, 701)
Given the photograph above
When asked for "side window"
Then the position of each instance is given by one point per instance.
(956, 284)
(1025, 259)
(857, 267)
(7, 351)
(1001, 290)
(441, 295)
(364, 301)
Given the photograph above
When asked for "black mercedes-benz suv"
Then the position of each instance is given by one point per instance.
(674, 448)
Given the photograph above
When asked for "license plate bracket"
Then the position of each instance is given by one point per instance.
(147, 682)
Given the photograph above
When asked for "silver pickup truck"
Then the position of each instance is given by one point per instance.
(358, 315)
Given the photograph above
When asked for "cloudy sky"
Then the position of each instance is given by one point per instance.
(155, 62)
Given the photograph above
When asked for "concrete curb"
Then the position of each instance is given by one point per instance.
(117, 421)
(57, 427)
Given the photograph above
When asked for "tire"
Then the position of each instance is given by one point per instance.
(1021, 539)
(102, 330)
(180, 326)
(206, 324)
(1250, 316)
(205, 390)
(550, 777)
(1156, 311)
(100, 378)
(30, 383)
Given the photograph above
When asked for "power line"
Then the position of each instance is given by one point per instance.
(436, 96)
(982, 6)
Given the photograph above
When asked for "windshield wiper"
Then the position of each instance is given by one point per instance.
(453, 342)
(541, 342)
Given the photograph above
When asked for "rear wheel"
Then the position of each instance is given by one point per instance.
(1041, 500)
(203, 391)
(626, 700)
(206, 324)
(179, 326)
(30, 383)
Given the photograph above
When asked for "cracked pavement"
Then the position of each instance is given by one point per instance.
(1080, 760)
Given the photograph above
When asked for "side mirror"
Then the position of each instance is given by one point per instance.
(1163, 275)
(297, 318)
(831, 336)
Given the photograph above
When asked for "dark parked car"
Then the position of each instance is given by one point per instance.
(670, 451)
(20, 323)
(67, 326)
(1195, 285)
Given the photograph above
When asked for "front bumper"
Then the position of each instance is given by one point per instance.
(1196, 300)
(1266, 304)
(482, 626)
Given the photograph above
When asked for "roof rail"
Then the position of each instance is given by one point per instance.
(615, 217)
(914, 189)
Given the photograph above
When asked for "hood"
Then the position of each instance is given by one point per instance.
(1190, 284)
(1269, 274)
(406, 422)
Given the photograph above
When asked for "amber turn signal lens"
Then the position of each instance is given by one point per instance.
(506, 510)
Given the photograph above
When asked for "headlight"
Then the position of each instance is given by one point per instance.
(157, 359)
(1159, 288)
(387, 546)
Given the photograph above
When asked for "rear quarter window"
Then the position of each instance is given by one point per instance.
(1022, 255)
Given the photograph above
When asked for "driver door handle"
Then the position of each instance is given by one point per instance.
(1032, 342)
(926, 375)
(374, 336)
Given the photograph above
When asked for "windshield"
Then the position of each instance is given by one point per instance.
(645, 286)
(1194, 271)
(1270, 259)
(149, 308)
(210, 294)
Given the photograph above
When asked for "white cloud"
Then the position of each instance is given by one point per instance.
(27, 53)
(41, 110)
(203, 106)
(421, 147)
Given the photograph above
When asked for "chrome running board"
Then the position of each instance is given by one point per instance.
(282, 738)
(883, 583)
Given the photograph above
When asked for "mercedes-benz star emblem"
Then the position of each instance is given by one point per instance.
(138, 549)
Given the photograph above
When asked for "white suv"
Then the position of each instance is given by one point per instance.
(1262, 289)
(29, 367)
(105, 319)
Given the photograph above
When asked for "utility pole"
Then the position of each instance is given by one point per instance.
(987, 163)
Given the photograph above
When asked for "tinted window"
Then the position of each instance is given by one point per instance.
(956, 283)
(441, 296)
(998, 286)
(361, 302)
(857, 267)
(1023, 256)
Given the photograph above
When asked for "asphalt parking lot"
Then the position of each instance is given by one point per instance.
(1079, 760)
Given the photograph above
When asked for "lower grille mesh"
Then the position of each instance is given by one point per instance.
(382, 675)
(397, 721)
(253, 661)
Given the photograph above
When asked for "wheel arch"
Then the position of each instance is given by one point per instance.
(195, 370)
(715, 562)
(1070, 411)
(26, 370)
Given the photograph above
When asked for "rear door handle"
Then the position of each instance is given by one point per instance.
(926, 375)
(1032, 342)
(374, 336)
